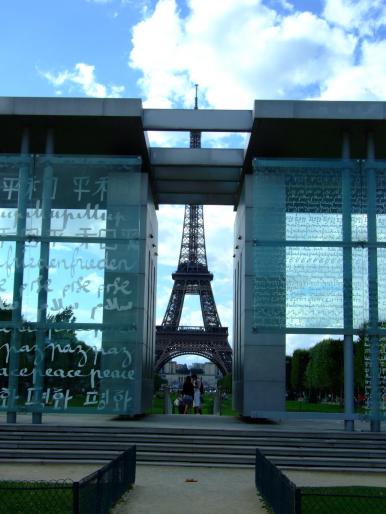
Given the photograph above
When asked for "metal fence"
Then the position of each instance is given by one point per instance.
(276, 489)
(283, 497)
(94, 494)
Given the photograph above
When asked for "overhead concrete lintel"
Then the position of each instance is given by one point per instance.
(201, 173)
(204, 120)
(324, 110)
(34, 106)
(196, 199)
(229, 157)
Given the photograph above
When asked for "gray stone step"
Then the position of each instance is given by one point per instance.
(165, 446)
(252, 440)
(175, 447)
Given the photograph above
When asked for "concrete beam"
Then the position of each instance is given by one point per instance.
(227, 157)
(204, 120)
(202, 174)
(117, 107)
(196, 199)
(322, 110)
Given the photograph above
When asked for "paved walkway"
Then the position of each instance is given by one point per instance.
(190, 421)
(187, 490)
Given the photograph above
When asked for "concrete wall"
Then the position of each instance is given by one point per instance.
(259, 358)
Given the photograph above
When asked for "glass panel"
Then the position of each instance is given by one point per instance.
(5, 344)
(93, 282)
(314, 204)
(10, 166)
(92, 197)
(269, 287)
(91, 371)
(314, 287)
(91, 277)
(381, 254)
(313, 227)
(381, 204)
(31, 281)
(7, 269)
(359, 204)
(360, 287)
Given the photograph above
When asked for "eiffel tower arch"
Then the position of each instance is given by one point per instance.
(193, 277)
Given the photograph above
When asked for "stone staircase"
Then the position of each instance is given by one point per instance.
(194, 446)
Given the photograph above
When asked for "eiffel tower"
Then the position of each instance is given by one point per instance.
(193, 277)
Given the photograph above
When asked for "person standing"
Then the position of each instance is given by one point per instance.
(197, 385)
(187, 393)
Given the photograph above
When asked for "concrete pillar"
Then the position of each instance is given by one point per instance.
(38, 378)
(261, 299)
(347, 286)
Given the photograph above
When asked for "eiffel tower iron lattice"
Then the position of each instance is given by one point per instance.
(193, 277)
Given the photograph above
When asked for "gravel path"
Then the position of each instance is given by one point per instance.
(176, 490)
(49, 471)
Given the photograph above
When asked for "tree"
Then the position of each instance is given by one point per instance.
(325, 368)
(158, 381)
(225, 383)
(299, 364)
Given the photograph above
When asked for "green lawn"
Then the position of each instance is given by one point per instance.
(350, 500)
(35, 498)
(296, 406)
(226, 406)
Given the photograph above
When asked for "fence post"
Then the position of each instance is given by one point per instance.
(216, 403)
(167, 401)
(99, 492)
(75, 498)
(298, 500)
(132, 463)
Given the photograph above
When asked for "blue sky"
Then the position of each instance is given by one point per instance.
(237, 50)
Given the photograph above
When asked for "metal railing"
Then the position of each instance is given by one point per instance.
(276, 489)
(283, 497)
(94, 494)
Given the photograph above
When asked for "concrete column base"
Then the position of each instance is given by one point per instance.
(36, 418)
(11, 417)
(375, 425)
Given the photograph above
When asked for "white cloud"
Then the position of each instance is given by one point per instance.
(365, 81)
(82, 77)
(364, 16)
(235, 50)
(239, 50)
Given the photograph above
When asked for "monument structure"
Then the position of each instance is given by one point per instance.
(193, 278)
(79, 190)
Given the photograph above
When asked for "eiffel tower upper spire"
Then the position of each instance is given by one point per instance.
(195, 135)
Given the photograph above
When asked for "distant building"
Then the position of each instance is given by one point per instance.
(176, 373)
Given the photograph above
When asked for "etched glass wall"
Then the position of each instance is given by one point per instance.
(69, 283)
(310, 238)
(319, 238)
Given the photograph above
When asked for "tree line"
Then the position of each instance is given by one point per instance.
(318, 372)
